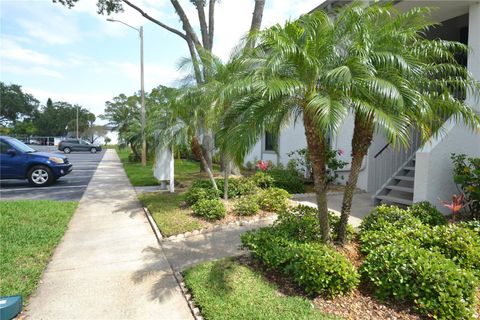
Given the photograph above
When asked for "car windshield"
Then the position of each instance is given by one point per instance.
(20, 146)
(85, 142)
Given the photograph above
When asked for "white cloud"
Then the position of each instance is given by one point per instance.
(31, 71)
(11, 50)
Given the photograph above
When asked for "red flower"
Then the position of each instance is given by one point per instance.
(262, 165)
(456, 205)
(340, 152)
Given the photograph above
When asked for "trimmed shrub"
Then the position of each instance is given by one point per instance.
(262, 180)
(301, 223)
(273, 199)
(210, 209)
(461, 245)
(434, 284)
(427, 214)
(473, 225)
(194, 194)
(322, 270)
(385, 215)
(287, 179)
(246, 206)
(414, 233)
(237, 187)
(319, 269)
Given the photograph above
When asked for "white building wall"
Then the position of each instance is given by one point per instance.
(433, 168)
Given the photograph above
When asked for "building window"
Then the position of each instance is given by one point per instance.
(270, 141)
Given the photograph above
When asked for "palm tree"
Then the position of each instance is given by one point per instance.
(286, 83)
(395, 79)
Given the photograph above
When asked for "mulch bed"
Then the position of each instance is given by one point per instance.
(358, 305)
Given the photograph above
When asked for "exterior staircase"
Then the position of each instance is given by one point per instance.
(398, 190)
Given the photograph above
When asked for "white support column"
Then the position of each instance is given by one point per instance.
(473, 64)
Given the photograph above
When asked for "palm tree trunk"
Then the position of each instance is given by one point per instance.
(317, 146)
(226, 173)
(197, 150)
(361, 141)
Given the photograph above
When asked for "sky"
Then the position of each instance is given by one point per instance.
(75, 55)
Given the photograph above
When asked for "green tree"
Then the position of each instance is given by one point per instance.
(395, 80)
(290, 64)
(196, 45)
(59, 118)
(15, 104)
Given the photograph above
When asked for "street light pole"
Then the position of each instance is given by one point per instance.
(77, 121)
(142, 90)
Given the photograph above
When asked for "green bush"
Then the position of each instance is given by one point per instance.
(194, 194)
(262, 180)
(434, 284)
(461, 245)
(385, 215)
(473, 225)
(414, 233)
(287, 179)
(318, 268)
(236, 187)
(427, 213)
(301, 223)
(273, 199)
(246, 206)
(210, 209)
(322, 270)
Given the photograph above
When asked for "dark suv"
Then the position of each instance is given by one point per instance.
(70, 145)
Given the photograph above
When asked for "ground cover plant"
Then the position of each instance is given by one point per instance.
(29, 232)
(202, 206)
(226, 289)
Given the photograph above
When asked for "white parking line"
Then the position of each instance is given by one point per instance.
(46, 188)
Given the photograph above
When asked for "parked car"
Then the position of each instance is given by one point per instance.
(69, 145)
(19, 161)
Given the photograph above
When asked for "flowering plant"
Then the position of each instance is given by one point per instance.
(262, 165)
(457, 204)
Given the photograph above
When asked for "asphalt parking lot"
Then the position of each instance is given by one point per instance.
(69, 187)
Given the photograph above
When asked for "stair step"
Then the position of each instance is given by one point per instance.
(405, 178)
(400, 188)
(409, 168)
(396, 200)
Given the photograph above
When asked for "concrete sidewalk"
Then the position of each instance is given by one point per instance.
(109, 264)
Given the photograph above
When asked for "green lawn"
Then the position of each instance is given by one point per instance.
(226, 289)
(29, 232)
(170, 218)
(185, 171)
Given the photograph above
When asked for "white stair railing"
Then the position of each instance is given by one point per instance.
(389, 160)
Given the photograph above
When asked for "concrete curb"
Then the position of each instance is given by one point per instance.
(188, 296)
(219, 227)
(154, 226)
(178, 277)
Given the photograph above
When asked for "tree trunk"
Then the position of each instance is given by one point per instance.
(226, 173)
(197, 150)
(317, 147)
(207, 147)
(361, 141)
(256, 21)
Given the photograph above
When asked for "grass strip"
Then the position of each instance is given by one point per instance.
(226, 289)
(29, 232)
